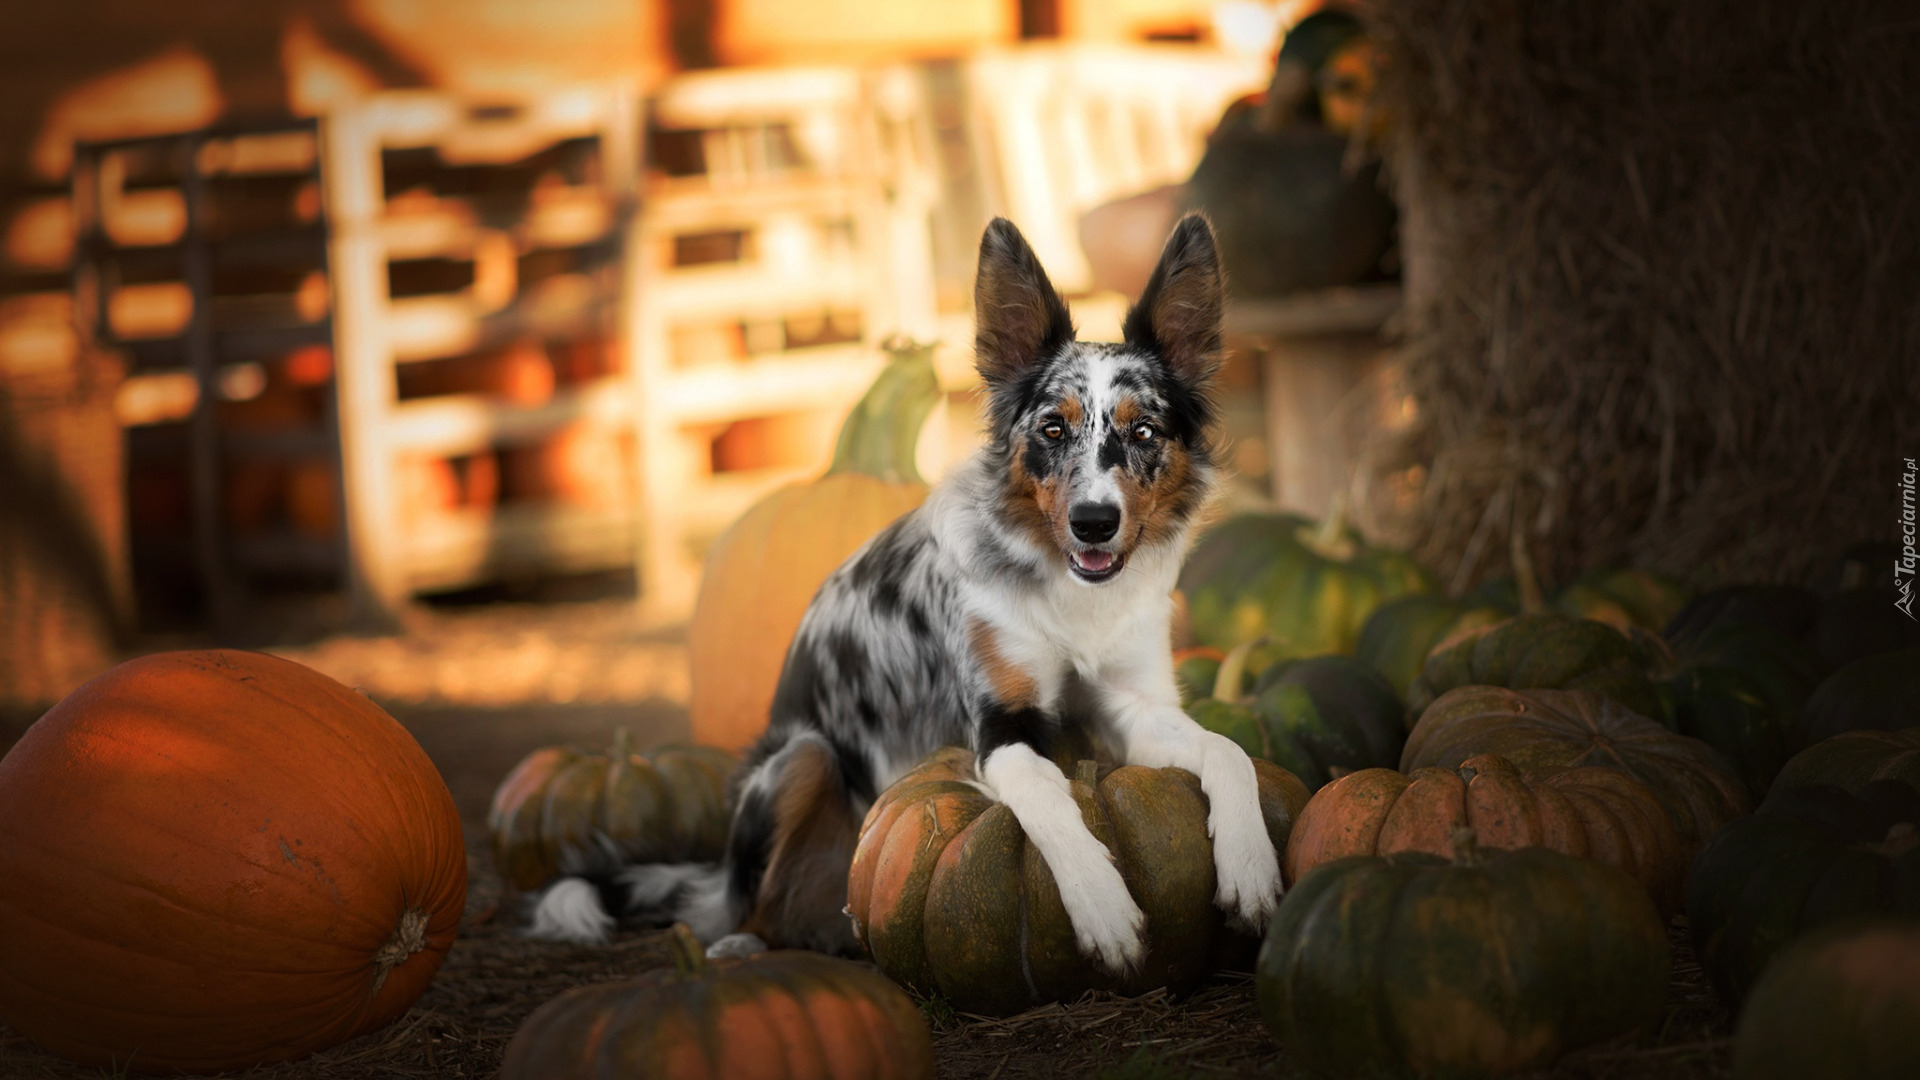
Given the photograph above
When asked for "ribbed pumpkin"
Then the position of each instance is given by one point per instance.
(1196, 670)
(1485, 964)
(563, 808)
(1543, 731)
(1880, 692)
(784, 1015)
(762, 573)
(1842, 1002)
(211, 860)
(1809, 857)
(1591, 812)
(1398, 636)
(1307, 587)
(1623, 598)
(1544, 651)
(1855, 759)
(947, 894)
(1787, 609)
(1317, 718)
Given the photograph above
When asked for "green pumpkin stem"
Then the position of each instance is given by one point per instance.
(1525, 578)
(1466, 847)
(1233, 670)
(622, 744)
(1087, 772)
(883, 431)
(689, 956)
(1329, 539)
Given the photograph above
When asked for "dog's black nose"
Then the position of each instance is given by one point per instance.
(1094, 523)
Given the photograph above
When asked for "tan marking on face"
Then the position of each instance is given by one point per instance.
(1125, 415)
(1150, 509)
(799, 902)
(1071, 412)
(1032, 505)
(1011, 686)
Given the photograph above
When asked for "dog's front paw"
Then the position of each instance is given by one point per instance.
(1247, 872)
(1107, 924)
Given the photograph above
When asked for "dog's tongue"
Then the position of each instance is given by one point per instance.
(1094, 561)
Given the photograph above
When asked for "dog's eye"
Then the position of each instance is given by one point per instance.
(1144, 432)
(1053, 429)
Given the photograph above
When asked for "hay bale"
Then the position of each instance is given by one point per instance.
(1661, 280)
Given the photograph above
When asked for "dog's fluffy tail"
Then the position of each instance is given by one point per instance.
(584, 909)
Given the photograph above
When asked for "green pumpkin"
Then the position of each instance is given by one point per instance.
(1195, 671)
(1307, 588)
(1809, 857)
(563, 808)
(1543, 731)
(1398, 636)
(1853, 760)
(1842, 1002)
(1488, 964)
(947, 894)
(1787, 609)
(1740, 688)
(1880, 692)
(1318, 718)
(1546, 651)
(1623, 599)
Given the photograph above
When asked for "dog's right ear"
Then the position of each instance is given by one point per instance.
(1018, 317)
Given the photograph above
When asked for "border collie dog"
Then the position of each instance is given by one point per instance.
(1030, 593)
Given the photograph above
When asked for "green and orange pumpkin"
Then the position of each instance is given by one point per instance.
(1544, 731)
(1484, 964)
(1591, 812)
(1855, 759)
(1398, 636)
(215, 859)
(1546, 651)
(1623, 598)
(1307, 587)
(563, 808)
(1880, 692)
(784, 1015)
(949, 896)
(1318, 718)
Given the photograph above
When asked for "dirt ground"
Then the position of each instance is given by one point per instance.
(481, 686)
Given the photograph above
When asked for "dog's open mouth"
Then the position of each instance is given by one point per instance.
(1095, 566)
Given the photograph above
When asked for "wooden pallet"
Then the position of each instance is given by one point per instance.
(422, 186)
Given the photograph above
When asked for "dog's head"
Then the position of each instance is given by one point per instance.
(1105, 446)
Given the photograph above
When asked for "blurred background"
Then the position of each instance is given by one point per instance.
(312, 310)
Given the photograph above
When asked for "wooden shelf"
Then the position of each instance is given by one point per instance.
(462, 424)
(830, 376)
(451, 550)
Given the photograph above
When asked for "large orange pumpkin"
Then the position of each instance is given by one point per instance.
(1593, 812)
(786, 1015)
(211, 860)
(763, 571)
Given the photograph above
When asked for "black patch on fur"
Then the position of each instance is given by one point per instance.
(797, 695)
(856, 776)
(1113, 450)
(1000, 726)
(747, 843)
(849, 657)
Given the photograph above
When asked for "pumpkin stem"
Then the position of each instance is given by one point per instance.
(1525, 578)
(1087, 772)
(408, 938)
(1329, 540)
(622, 744)
(689, 956)
(1466, 847)
(882, 432)
(1233, 670)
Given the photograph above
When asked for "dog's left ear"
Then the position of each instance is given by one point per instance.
(1178, 315)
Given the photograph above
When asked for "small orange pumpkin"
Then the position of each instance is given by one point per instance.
(1592, 812)
(763, 571)
(217, 859)
(785, 1015)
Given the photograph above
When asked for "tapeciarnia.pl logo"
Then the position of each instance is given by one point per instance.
(1903, 567)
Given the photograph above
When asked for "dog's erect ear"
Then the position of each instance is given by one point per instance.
(1018, 317)
(1178, 315)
